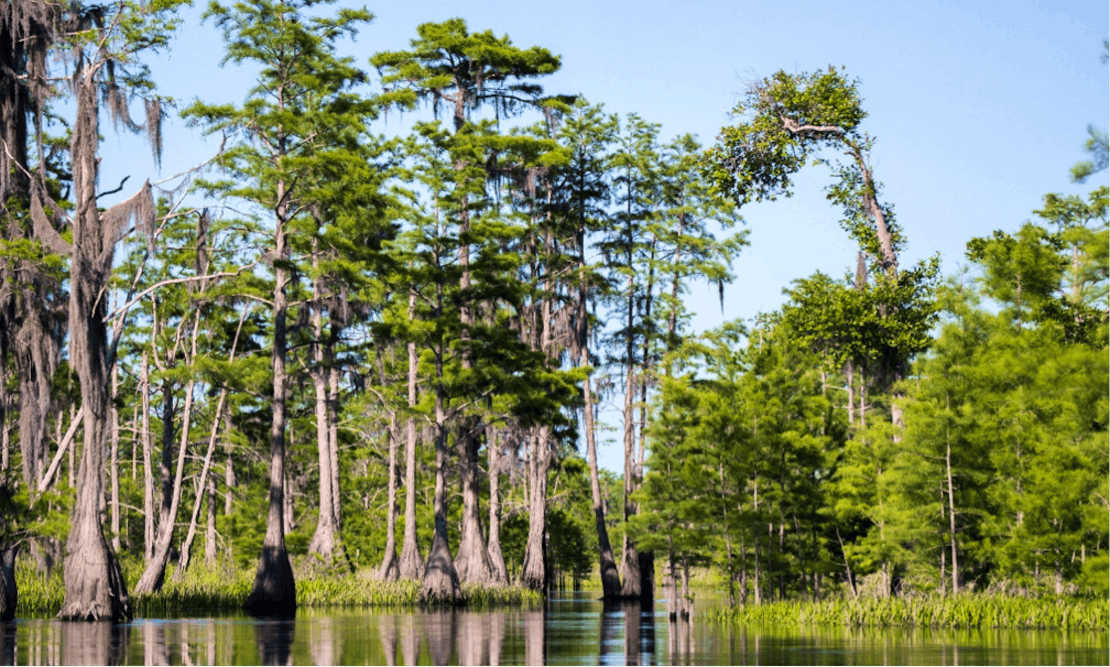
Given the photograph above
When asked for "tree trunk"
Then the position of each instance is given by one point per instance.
(610, 577)
(411, 565)
(9, 591)
(441, 581)
(389, 570)
(333, 435)
(743, 573)
(496, 558)
(323, 542)
(154, 574)
(728, 535)
(114, 467)
(630, 559)
(94, 585)
(148, 472)
(229, 481)
(187, 544)
(166, 469)
(534, 571)
(952, 518)
(472, 562)
(210, 548)
(274, 592)
(851, 373)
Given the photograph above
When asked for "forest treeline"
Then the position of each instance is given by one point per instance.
(388, 353)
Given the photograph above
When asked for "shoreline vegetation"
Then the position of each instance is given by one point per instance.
(966, 610)
(226, 588)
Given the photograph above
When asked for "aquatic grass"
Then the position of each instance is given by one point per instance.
(479, 595)
(38, 595)
(223, 588)
(962, 611)
(202, 588)
(356, 591)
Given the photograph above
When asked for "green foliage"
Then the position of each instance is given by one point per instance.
(756, 159)
(964, 611)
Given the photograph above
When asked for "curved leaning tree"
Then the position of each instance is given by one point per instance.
(790, 120)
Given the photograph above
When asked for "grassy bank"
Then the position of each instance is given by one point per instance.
(962, 611)
(226, 589)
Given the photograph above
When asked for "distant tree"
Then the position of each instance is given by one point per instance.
(788, 120)
(1097, 145)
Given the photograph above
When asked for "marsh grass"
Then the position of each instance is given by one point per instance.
(962, 611)
(222, 588)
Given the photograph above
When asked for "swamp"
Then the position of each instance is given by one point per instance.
(424, 356)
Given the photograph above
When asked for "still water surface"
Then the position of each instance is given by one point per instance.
(572, 629)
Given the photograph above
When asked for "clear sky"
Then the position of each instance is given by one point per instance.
(979, 108)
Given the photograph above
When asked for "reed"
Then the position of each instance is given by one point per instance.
(961, 611)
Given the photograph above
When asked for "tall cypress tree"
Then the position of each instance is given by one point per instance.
(299, 125)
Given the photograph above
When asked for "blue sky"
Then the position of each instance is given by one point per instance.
(979, 108)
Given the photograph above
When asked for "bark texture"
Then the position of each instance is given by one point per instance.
(326, 538)
(411, 565)
(9, 592)
(94, 586)
(534, 573)
(274, 591)
(390, 569)
(496, 558)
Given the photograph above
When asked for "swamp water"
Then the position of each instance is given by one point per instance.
(573, 629)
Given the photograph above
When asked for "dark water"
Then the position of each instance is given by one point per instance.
(570, 630)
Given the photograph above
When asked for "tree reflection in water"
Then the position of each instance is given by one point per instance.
(410, 640)
(97, 643)
(321, 643)
(275, 641)
(7, 643)
(627, 633)
(496, 626)
(473, 637)
(535, 637)
(439, 626)
(387, 629)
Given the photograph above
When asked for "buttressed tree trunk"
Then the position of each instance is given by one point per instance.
(411, 565)
(441, 581)
(534, 570)
(472, 561)
(9, 592)
(94, 586)
(274, 592)
(496, 558)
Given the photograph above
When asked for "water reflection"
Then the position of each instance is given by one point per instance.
(100, 643)
(7, 643)
(410, 640)
(275, 641)
(579, 630)
(387, 628)
(439, 627)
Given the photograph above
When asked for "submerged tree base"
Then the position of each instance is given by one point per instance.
(275, 592)
(961, 611)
